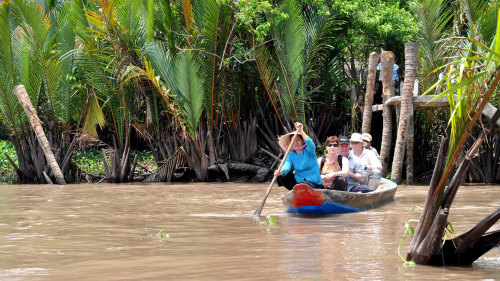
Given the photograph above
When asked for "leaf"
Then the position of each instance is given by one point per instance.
(93, 116)
(190, 89)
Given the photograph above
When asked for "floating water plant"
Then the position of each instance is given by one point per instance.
(270, 221)
(162, 234)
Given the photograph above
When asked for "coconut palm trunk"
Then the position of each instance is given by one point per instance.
(370, 89)
(411, 52)
(24, 100)
(387, 66)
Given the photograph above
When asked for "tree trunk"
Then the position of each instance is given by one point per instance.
(354, 91)
(411, 52)
(24, 100)
(426, 250)
(370, 89)
(387, 66)
(409, 147)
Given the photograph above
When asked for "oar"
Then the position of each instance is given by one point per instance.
(261, 206)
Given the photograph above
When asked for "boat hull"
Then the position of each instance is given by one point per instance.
(306, 200)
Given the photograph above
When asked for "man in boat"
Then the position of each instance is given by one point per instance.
(301, 164)
(356, 175)
(369, 160)
(367, 139)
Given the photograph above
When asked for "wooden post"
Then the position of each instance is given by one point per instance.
(411, 52)
(36, 124)
(387, 66)
(370, 89)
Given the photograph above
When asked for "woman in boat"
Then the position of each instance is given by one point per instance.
(302, 159)
(333, 167)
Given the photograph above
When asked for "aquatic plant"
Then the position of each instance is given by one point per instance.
(270, 221)
(162, 234)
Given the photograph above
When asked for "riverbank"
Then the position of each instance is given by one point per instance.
(89, 163)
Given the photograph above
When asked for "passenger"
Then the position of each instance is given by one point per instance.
(370, 161)
(367, 138)
(356, 174)
(333, 167)
(302, 159)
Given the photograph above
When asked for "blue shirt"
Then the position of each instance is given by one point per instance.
(305, 164)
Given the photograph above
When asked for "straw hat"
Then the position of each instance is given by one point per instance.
(284, 140)
(356, 137)
(366, 137)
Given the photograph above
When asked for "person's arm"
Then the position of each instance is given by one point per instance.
(319, 163)
(374, 162)
(287, 166)
(310, 146)
(357, 177)
(300, 128)
(345, 168)
(357, 172)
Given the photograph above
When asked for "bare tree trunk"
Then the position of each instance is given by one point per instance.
(411, 52)
(24, 100)
(354, 91)
(424, 248)
(387, 66)
(409, 147)
(370, 89)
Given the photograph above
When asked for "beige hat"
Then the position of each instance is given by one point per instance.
(355, 137)
(367, 137)
(284, 140)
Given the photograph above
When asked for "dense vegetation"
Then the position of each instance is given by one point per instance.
(203, 82)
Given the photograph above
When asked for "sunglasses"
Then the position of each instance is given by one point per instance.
(332, 145)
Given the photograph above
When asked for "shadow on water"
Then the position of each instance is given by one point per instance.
(206, 231)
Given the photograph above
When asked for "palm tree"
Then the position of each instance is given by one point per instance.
(473, 79)
(411, 52)
(299, 47)
(387, 66)
(33, 56)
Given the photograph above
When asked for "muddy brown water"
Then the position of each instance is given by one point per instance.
(109, 232)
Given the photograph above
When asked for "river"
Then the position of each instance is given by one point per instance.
(110, 232)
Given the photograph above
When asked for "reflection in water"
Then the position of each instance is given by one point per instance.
(90, 232)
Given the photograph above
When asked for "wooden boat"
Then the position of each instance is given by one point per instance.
(305, 200)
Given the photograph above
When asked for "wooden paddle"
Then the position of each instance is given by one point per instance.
(261, 206)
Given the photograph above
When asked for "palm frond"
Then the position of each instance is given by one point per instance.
(93, 116)
(8, 102)
(132, 21)
(206, 15)
(187, 10)
(190, 89)
(268, 73)
(434, 16)
(36, 26)
(290, 46)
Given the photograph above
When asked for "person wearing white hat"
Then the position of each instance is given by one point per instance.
(302, 159)
(368, 158)
(367, 138)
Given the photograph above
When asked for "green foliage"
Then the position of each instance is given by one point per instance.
(91, 162)
(409, 230)
(162, 234)
(376, 22)
(7, 172)
(270, 221)
(464, 80)
(190, 89)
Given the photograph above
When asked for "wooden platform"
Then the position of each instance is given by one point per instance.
(425, 102)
